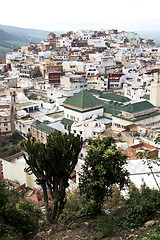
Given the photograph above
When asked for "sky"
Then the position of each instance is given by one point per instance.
(73, 15)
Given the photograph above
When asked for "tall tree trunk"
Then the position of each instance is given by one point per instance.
(46, 200)
(54, 211)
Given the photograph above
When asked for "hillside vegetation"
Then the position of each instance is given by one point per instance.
(13, 37)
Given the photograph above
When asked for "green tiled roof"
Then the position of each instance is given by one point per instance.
(138, 107)
(112, 107)
(43, 127)
(82, 100)
(67, 121)
(101, 117)
(114, 97)
(146, 96)
(95, 91)
(137, 119)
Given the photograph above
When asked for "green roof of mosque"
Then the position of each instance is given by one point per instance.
(67, 121)
(138, 107)
(82, 100)
(146, 96)
(114, 97)
(137, 119)
(103, 117)
(112, 107)
(95, 91)
(43, 127)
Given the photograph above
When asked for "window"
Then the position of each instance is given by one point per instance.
(6, 129)
(5, 119)
(5, 124)
(74, 131)
(80, 132)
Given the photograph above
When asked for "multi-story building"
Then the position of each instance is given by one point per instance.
(5, 119)
(136, 113)
(73, 82)
(116, 80)
(25, 73)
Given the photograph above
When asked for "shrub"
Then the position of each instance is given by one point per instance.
(74, 201)
(16, 213)
(72, 207)
(154, 236)
(142, 205)
(116, 200)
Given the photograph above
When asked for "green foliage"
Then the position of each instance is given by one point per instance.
(75, 225)
(9, 145)
(52, 164)
(36, 73)
(155, 236)
(109, 224)
(104, 166)
(16, 137)
(16, 213)
(72, 207)
(116, 200)
(105, 225)
(74, 201)
(142, 205)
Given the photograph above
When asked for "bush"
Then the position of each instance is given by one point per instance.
(16, 137)
(142, 206)
(17, 215)
(106, 225)
(74, 201)
(72, 207)
(116, 200)
(154, 236)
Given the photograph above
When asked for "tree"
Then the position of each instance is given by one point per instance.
(17, 214)
(36, 72)
(52, 164)
(104, 166)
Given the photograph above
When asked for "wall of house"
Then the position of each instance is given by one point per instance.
(23, 126)
(5, 122)
(78, 116)
(120, 124)
(88, 129)
(14, 171)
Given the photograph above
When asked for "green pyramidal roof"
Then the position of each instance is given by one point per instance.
(83, 100)
(138, 107)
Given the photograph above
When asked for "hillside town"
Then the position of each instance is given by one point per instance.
(90, 83)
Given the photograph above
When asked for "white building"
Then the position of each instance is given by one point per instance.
(13, 169)
(73, 82)
(73, 66)
(82, 106)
